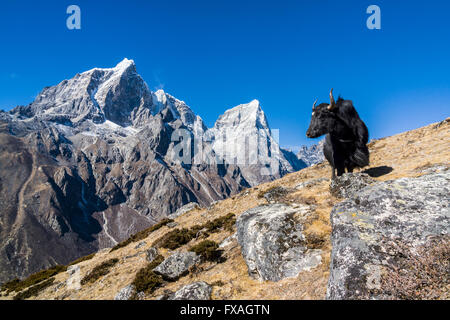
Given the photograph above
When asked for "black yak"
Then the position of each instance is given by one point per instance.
(346, 134)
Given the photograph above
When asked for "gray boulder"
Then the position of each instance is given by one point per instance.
(177, 265)
(272, 242)
(378, 227)
(348, 184)
(125, 293)
(194, 291)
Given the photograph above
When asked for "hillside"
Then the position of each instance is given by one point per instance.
(409, 154)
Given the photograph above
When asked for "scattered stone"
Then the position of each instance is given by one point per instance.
(348, 184)
(368, 229)
(165, 296)
(140, 245)
(140, 296)
(58, 286)
(125, 293)
(186, 208)
(152, 253)
(177, 265)
(212, 204)
(73, 269)
(439, 167)
(194, 291)
(228, 241)
(275, 193)
(310, 183)
(272, 242)
(172, 224)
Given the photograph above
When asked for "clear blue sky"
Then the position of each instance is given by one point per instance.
(218, 54)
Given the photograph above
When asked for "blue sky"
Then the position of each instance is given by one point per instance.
(218, 54)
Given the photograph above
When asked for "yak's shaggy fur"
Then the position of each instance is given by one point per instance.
(346, 135)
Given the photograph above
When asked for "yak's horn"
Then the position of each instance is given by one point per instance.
(314, 104)
(332, 104)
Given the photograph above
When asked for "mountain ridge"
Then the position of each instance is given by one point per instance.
(103, 147)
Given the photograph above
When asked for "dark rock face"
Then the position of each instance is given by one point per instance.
(177, 265)
(349, 184)
(272, 242)
(369, 229)
(194, 291)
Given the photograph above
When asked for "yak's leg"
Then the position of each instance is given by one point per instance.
(340, 166)
(340, 171)
(333, 174)
(350, 167)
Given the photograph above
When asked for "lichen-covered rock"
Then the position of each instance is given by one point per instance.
(177, 265)
(125, 293)
(194, 291)
(272, 242)
(369, 229)
(348, 184)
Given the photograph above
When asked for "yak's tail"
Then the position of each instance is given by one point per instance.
(361, 156)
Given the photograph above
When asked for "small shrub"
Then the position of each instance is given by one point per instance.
(142, 234)
(10, 285)
(34, 290)
(99, 271)
(176, 238)
(226, 222)
(218, 283)
(208, 250)
(85, 258)
(18, 285)
(146, 280)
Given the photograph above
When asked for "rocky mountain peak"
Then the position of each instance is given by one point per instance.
(244, 115)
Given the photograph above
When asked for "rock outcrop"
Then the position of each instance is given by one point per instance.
(177, 265)
(126, 293)
(383, 233)
(347, 185)
(194, 291)
(272, 242)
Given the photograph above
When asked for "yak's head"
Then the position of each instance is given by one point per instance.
(323, 118)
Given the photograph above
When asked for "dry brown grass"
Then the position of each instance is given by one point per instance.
(404, 153)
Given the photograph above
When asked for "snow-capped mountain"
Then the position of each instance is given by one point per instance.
(97, 157)
(312, 154)
(242, 136)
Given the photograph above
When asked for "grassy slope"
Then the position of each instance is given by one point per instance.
(406, 153)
